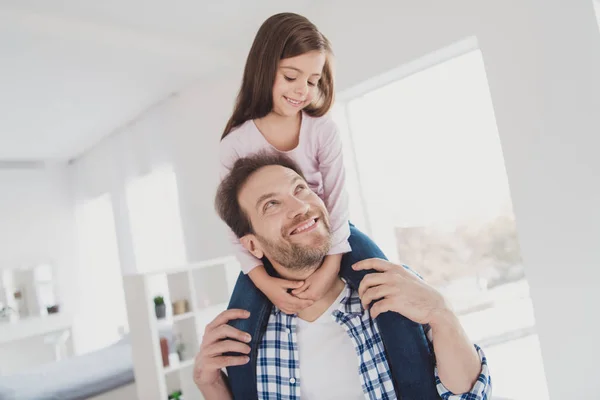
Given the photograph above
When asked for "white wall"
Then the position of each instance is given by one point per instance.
(37, 223)
(544, 82)
(539, 58)
(182, 130)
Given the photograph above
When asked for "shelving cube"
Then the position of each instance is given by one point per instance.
(206, 286)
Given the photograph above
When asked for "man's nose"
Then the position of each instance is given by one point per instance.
(297, 207)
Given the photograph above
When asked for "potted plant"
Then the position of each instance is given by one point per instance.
(176, 395)
(159, 307)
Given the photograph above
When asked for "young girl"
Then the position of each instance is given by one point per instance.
(287, 90)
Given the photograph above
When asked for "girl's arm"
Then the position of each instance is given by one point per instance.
(331, 165)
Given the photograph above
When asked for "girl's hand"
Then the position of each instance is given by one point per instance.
(277, 290)
(319, 283)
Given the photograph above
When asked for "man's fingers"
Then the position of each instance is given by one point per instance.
(226, 346)
(226, 361)
(225, 332)
(377, 264)
(226, 316)
(375, 293)
(371, 280)
(380, 307)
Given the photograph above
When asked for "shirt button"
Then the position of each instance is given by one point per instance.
(288, 331)
(292, 381)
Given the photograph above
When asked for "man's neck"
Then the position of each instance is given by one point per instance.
(313, 312)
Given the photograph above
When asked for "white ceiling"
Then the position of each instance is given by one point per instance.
(72, 71)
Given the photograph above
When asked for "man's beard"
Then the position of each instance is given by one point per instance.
(294, 256)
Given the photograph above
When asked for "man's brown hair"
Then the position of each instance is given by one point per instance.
(227, 204)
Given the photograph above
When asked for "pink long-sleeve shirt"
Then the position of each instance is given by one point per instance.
(319, 155)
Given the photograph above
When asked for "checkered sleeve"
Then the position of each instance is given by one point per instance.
(482, 390)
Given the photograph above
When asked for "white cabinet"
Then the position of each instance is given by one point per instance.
(206, 287)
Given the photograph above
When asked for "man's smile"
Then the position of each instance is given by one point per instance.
(306, 226)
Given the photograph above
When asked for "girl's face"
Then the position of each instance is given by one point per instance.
(296, 82)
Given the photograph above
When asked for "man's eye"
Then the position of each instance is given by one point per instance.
(270, 204)
(300, 188)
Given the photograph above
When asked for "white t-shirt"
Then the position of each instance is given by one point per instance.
(328, 361)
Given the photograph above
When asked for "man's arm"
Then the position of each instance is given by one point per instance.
(217, 390)
(459, 366)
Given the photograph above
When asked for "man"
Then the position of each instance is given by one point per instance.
(340, 347)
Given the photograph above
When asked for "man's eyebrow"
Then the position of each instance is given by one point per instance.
(299, 70)
(263, 198)
(273, 194)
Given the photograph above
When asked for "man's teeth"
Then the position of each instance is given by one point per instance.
(305, 226)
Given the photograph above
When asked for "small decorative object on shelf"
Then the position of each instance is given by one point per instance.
(164, 351)
(5, 312)
(20, 303)
(180, 307)
(159, 307)
(53, 309)
(176, 395)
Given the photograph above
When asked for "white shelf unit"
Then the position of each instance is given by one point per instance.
(206, 286)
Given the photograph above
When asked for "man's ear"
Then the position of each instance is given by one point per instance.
(251, 244)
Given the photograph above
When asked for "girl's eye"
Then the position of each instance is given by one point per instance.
(312, 83)
(287, 78)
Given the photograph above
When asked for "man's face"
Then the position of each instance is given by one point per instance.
(290, 222)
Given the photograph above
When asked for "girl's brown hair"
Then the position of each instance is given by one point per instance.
(281, 36)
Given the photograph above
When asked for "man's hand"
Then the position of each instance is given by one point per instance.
(319, 283)
(216, 341)
(399, 290)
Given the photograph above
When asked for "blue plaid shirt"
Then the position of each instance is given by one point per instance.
(278, 368)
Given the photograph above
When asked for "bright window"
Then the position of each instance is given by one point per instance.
(156, 228)
(101, 316)
(427, 182)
